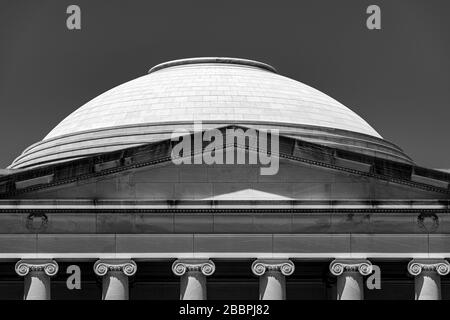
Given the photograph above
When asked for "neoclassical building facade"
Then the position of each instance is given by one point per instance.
(347, 215)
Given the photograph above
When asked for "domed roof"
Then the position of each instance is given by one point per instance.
(216, 91)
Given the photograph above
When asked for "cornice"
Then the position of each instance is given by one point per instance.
(224, 211)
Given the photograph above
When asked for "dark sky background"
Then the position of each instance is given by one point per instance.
(397, 78)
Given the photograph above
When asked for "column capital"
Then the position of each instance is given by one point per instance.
(102, 267)
(339, 266)
(180, 267)
(261, 266)
(23, 267)
(441, 266)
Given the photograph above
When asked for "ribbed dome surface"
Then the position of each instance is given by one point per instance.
(216, 91)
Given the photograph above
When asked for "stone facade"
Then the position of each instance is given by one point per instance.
(344, 208)
(250, 220)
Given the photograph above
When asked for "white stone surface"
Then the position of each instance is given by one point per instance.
(115, 286)
(350, 286)
(36, 286)
(211, 91)
(427, 286)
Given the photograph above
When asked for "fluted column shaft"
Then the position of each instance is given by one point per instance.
(427, 281)
(349, 273)
(272, 277)
(115, 275)
(37, 275)
(193, 273)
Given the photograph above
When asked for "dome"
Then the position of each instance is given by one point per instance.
(215, 91)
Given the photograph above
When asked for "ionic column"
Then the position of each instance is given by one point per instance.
(193, 273)
(272, 281)
(37, 275)
(427, 281)
(115, 275)
(349, 275)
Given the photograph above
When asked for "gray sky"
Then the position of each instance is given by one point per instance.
(397, 78)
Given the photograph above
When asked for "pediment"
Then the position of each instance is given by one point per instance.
(294, 181)
(306, 171)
